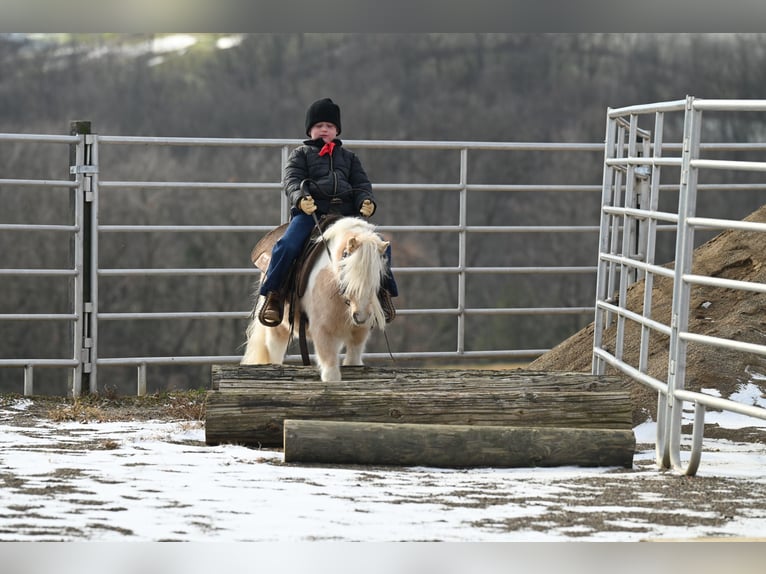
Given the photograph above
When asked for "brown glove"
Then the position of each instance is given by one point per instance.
(367, 208)
(307, 205)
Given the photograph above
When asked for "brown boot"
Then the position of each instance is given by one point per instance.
(273, 310)
(388, 305)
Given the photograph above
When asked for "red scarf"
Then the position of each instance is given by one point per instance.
(327, 149)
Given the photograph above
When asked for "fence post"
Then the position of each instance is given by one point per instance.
(679, 321)
(602, 317)
(462, 241)
(80, 254)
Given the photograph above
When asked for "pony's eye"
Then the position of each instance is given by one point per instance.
(345, 254)
(347, 302)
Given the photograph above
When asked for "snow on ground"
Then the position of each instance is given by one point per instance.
(157, 481)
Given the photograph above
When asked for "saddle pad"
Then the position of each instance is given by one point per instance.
(261, 253)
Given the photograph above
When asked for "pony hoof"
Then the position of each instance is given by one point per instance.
(331, 375)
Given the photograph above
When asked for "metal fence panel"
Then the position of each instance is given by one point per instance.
(68, 269)
(621, 263)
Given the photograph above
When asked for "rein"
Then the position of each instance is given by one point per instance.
(314, 216)
(388, 347)
(303, 320)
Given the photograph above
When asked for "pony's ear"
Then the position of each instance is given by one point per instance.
(383, 246)
(352, 245)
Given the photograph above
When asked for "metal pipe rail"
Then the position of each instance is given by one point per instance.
(38, 183)
(39, 138)
(620, 218)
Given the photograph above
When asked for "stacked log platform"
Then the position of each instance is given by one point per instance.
(433, 417)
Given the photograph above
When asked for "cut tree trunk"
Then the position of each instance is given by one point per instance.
(454, 446)
(287, 377)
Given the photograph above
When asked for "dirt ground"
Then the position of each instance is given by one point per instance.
(628, 504)
(728, 313)
(92, 484)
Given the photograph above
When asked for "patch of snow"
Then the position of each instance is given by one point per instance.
(172, 43)
(749, 394)
(646, 432)
(155, 480)
(21, 404)
(729, 420)
(227, 42)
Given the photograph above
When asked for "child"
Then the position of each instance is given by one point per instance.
(321, 177)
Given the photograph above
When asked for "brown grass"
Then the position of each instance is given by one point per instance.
(187, 406)
(177, 405)
(77, 411)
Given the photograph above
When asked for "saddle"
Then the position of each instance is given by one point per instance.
(298, 277)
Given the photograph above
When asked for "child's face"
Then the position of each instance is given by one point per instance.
(325, 130)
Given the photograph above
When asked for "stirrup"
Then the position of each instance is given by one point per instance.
(272, 311)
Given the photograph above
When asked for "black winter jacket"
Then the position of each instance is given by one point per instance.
(341, 182)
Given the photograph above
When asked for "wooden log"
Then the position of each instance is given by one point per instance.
(254, 417)
(290, 377)
(454, 446)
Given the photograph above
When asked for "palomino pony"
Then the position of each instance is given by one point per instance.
(340, 301)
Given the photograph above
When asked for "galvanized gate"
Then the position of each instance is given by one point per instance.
(631, 217)
(70, 228)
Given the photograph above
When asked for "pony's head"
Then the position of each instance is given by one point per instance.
(359, 258)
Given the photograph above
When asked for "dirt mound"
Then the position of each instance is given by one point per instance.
(729, 313)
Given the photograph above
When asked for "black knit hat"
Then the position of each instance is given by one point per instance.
(324, 110)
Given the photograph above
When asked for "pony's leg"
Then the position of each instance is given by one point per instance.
(277, 339)
(265, 345)
(327, 348)
(256, 352)
(355, 346)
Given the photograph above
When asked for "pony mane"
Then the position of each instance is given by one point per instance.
(361, 272)
(347, 225)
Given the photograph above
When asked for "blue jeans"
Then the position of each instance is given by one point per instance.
(289, 247)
